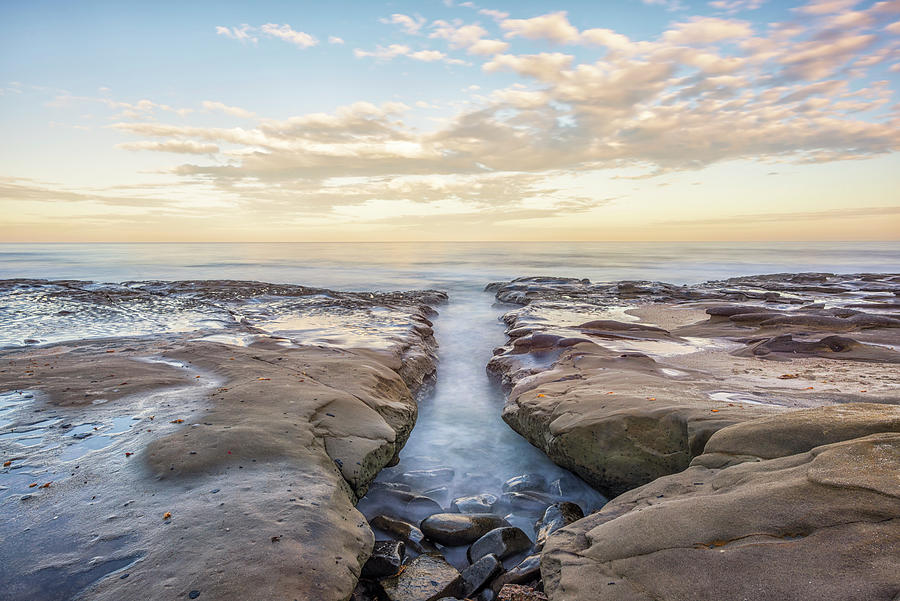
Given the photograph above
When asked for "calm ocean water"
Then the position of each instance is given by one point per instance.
(448, 265)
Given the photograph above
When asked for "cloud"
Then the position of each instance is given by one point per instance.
(802, 216)
(707, 30)
(284, 32)
(734, 6)
(234, 111)
(703, 91)
(395, 50)
(333, 39)
(176, 146)
(554, 27)
(497, 15)
(242, 33)
(669, 5)
(411, 25)
(468, 37)
(247, 33)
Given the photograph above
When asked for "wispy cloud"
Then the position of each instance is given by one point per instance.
(248, 33)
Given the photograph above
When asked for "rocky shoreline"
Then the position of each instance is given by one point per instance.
(237, 469)
(749, 428)
(747, 432)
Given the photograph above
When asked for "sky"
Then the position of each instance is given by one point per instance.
(635, 120)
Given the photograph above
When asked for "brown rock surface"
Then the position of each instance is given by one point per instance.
(624, 403)
(237, 476)
(806, 522)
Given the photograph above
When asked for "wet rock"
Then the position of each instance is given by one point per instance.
(386, 559)
(389, 485)
(421, 479)
(456, 529)
(404, 505)
(557, 516)
(514, 592)
(483, 503)
(530, 502)
(426, 578)
(479, 574)
(527, 571)
(486, 594)
(525, 482)
(406, 532)
(501, 542)
(440, 494)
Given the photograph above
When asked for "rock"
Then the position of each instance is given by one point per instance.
(530, 502)
(483, 503)
(515, 592)
(781, 515)
(439, 494)
(386, 559)
(501, 542)
(528, 570)
(829, 347)
(426, 578)
(479, 574)
(525, 482)
(486, 594)
(406, 532)
(402, 504)
(421, 479)
(797, 432)
(456, 529)
(556, 516)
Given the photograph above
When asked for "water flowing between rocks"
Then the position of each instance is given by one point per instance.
(460, 445)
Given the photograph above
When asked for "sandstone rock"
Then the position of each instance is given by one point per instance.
(500, 542)
(808, 522)
(456, 529)
(426, 578)
(514, 592)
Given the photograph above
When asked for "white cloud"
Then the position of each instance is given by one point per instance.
(411, 25)
(176, 146)
(234, 111)
(554, 27)
(395, 50)
(733, 6)
(708, 89)
(333, 39)
(497, 15)
(246, 33)
(242, 33)
(284, 32)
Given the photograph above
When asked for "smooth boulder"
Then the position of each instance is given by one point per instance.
(457, 529)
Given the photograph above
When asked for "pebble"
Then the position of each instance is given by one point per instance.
(193, 594)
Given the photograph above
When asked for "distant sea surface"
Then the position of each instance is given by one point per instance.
(449, 265)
